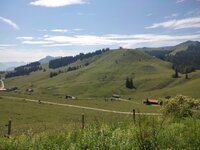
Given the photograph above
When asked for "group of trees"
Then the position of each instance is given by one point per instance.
(176, 74)
(52, 74)
(185, 61)
(129, 83)
(24, 70)
(64, 61)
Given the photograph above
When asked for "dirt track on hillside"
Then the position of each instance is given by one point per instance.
(2, 84)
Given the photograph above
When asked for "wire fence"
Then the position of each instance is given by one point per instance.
(80, 120)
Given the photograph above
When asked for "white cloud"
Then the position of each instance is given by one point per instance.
(56, 45)
(131, 40)
(56, 3)
(9, 22)
(45, 43)
(193, 22)
(180, 1)
(30, 55)
(7, 45)
(78, 29)
(25, 38)
(36, 42)
(60, 30)
(46, 35)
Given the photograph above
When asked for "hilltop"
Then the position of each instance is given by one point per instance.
(106, 74)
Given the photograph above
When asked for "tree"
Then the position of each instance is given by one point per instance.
(186, 76)
(186, 73)
(176, 73)
(129, 83)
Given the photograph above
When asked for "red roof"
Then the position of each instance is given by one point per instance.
(153, 101)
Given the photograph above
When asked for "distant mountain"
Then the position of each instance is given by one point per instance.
(47, 59)
(9, 66)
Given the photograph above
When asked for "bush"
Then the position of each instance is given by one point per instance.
(182, 106)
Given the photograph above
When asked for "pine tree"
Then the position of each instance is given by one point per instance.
(176, 74)
(186, 76)
(127, 82)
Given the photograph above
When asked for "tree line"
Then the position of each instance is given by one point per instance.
(24, 70)
(70, 68)
(184, 61)
(64, 61)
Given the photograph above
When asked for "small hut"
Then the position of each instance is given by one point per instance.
(151, 102)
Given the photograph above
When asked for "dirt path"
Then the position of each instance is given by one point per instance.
(2, 85)
(83, 107)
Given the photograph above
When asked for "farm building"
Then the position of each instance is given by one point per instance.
(151, 102)
(115, 97)
(2, 89)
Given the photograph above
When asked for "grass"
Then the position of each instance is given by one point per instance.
(28, 116)
(146, 134)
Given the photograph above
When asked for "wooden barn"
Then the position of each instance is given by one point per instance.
(115, 97)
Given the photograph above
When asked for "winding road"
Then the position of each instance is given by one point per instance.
(83, 107)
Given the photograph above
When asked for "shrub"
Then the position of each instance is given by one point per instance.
(182, 106)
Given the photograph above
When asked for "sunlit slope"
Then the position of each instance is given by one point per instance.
(107, 74)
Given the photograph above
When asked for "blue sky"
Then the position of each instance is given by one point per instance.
(32, 29)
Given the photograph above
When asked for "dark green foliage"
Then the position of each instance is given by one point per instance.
(87, 64)
(129, 83)
(24, 70)
(187, 59)
(159, 53)
(72, 68)
(64, 61)
(183, 56)
(186, 76)
(52, 74)
(176, 74)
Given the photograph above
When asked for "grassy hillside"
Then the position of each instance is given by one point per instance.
(106, 75)
(184, 46)
(39, 126)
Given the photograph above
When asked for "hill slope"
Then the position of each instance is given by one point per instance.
(106, 74)
(184, 56)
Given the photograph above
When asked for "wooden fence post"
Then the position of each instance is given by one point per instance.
(9, 125)
(83, 121)
(134, 115)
